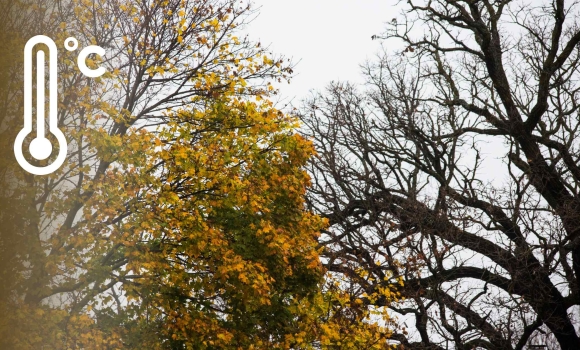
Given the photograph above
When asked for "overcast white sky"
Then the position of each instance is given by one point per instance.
(328, 39)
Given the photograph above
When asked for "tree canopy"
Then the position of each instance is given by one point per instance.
(436, 206)
(456, 169)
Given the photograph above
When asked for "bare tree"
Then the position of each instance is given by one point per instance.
(456, 169)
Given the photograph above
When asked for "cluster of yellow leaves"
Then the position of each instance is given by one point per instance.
(220, 238)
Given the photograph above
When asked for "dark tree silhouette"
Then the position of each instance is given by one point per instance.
(457, 169)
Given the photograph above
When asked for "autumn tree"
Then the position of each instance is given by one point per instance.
(178, 220)
(455, 168)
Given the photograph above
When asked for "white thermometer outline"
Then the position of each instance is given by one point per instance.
(40, 147)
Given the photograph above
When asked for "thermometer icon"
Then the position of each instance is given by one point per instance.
(40, 147)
